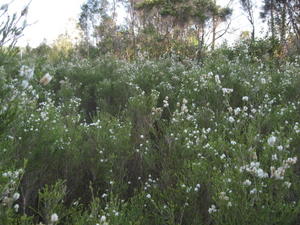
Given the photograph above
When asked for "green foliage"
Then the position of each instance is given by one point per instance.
(282, 18)
(165, 141)
(156, 28)
(169, 141)
(51, 202)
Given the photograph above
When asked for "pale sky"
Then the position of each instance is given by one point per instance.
(50, 18)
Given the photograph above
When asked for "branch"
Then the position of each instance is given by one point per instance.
(225, 30)
(11, 30)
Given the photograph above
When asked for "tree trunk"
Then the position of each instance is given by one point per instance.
(200, 42)
(283, 24)
(132, 15)
(114, 8)
(214, 28)
(272, 20)
(253, 32)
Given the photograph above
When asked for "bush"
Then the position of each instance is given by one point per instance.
(151, 142)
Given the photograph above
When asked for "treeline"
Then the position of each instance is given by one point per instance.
(158, 28)
(183, 27)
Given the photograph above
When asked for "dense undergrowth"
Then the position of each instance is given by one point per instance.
(170, 141)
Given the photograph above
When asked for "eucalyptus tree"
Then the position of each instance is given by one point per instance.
(92, 12)
(100, 30)
(161, 23)
(283, 17)
(178, 19)
(293, 8)
(249, 6)
(268, 13)
(219, 15)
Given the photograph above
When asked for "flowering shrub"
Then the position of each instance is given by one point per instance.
(150, 142)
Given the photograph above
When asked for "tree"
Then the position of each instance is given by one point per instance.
(283, 16)
(219, 15)
(92, 12)
(156, 26)
(179, 19)
(98, 23)
(268, 10)
(293, 8)
(130, 5)
(248, 7)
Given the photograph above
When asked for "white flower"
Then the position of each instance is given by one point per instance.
(231, 119)
(104, 195)
(212, 209)
(289, 161)
(4, 174)
(46, 79)
(274, 157)
(247, 182)
(253, 191)
(197, 187)
(223, 196)
(54, 217)
(272, 140)
(16, 196)
(25, 83)
(148, 196)
(217, 79)
(16, 207)
(255, 164)
(165, 101)
(227, 90)
(279, 148)
(233, 142)
(223, 156)
(261, 174)
(103, 219)
(245, 98)
(278, 174)
(237, 111)
(229, 204)
(287, 184)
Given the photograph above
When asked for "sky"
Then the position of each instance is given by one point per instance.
(50, 18)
